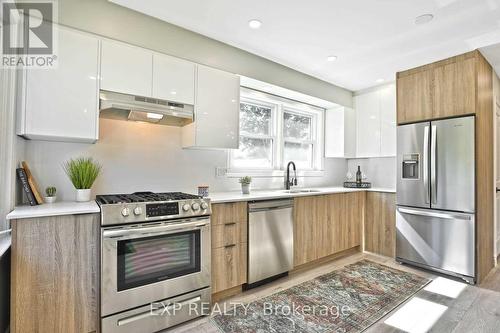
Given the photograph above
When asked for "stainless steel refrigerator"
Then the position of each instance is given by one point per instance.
(435, 217)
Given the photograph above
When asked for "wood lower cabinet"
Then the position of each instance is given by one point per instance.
(54, 274)
(352, 223)
(380, 223)
(326, 224)
(229, 267)
(229, 245)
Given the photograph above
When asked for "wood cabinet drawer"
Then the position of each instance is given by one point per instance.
(229, 267)
(230, 233)
(229, 212)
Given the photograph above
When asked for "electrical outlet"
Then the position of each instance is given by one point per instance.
(220, 172)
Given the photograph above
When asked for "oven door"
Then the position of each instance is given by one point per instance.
(144, 263)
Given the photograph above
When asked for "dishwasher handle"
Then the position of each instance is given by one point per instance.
(259, 206)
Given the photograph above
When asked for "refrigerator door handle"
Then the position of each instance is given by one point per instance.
(448, 216)
(434, 164)
(425, 171)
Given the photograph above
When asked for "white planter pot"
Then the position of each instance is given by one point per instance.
(83, 195)
(245, 188)
(49, 200)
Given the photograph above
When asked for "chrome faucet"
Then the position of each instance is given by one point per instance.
(289, 182)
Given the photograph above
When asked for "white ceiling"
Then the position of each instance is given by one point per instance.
(372, 38)
(492, 54)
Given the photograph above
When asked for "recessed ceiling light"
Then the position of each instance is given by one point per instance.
(331, 58)
(423, 19)
(379, 80)
(254, 24)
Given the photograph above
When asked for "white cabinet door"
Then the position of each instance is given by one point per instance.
(368, 124)
(126, 69)
(62, 103)
(217, 107)
(173, 79)
(340, 133)
(388, 121)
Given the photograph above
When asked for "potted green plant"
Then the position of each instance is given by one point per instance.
(50, 194)
(82, 172)
(245, 184)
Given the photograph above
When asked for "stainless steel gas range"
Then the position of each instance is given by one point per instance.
(155, 260)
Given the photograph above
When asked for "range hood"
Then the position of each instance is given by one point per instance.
(137, 108)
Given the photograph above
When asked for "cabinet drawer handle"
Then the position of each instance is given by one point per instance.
(230, 245)
(230, 223)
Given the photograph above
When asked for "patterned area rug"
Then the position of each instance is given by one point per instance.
(350, 299)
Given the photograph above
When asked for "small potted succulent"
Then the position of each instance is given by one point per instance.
(50, 194)
(245, 184)
(82, 172)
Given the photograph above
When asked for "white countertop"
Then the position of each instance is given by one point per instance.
(219, 197)
(73, 208)
(55, 209)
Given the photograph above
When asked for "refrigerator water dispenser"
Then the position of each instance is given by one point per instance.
(411, 166)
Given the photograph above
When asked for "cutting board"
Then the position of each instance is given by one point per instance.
(32, 182)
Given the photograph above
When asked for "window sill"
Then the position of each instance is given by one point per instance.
(237, 173)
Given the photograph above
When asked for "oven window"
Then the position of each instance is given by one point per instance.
(142, 261)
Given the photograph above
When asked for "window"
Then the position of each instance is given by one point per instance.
(256, 136)
(274, 131)
(298, 142)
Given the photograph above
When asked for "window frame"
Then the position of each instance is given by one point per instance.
(279, 106)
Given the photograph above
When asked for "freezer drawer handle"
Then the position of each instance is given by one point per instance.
(438, 215)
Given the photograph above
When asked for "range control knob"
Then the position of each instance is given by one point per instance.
(195, 206)
(204, 205)
(186, 207)
(137, 210)
(125, 212)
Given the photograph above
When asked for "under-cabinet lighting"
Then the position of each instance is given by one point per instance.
(154, 116)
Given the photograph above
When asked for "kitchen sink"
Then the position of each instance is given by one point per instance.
(301, 191)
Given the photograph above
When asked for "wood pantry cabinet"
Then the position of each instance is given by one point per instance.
(442, 89)
(54, 274)
(229, 245)
(326, 224)
(453, 87)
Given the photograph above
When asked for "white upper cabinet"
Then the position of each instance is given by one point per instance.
(368, 124)
(173, 79)
(126, 69)
(340, 133)
(217, 103)
(376, 122)
(388, 121)
(61, 104)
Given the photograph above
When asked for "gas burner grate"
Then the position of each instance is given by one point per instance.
(143, 197)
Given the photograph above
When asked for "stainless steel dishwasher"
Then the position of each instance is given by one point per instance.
(270, 239)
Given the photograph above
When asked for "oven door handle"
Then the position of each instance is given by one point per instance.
(158, 312)
(160, 229)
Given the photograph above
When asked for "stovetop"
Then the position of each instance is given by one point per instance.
(142, 207)
(143, 197)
